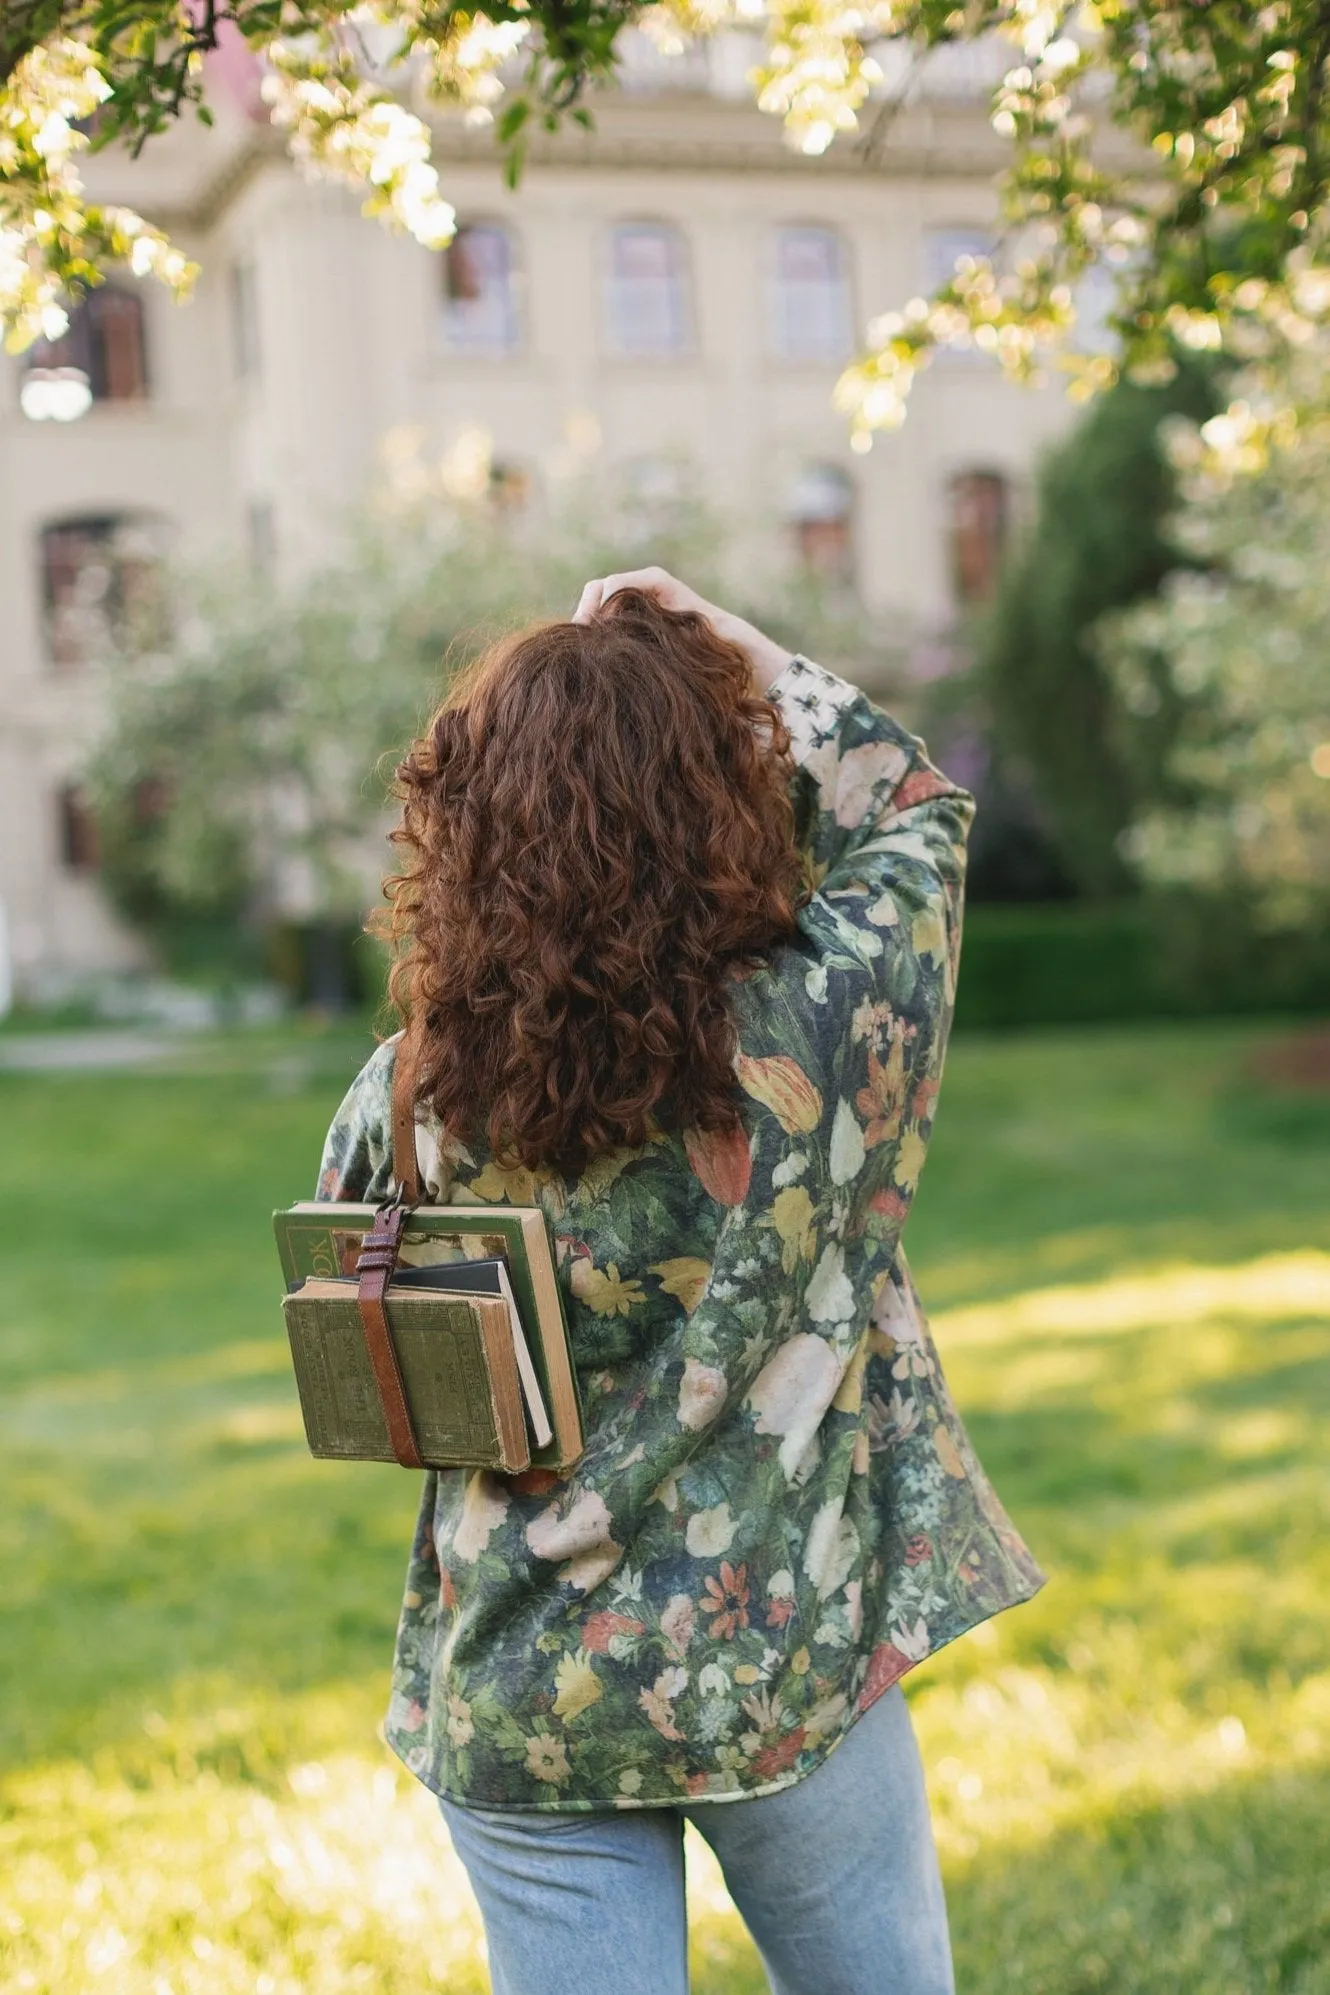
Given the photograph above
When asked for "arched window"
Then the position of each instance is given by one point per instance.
(646, 301)
(102, 587)
(810, 295)
(978, 507)
(821, 516)
(480, 290)
(101, 357)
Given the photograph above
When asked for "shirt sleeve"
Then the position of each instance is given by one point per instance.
(873, 812)
(861, 1002)
(841, 1044)
(357, 1161)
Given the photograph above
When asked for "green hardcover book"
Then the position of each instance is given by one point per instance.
(459, 1374)
(322, 1241)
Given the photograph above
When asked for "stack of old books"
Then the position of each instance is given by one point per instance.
(477, 1326)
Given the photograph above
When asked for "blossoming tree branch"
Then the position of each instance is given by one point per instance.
(1213, 217)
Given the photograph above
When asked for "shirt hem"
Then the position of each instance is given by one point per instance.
(621, 1804)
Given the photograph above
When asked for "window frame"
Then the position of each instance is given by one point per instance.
(683, 307)
(515, 339)
(817, 533)
(839, 346)
(997, 480)
(64, 658)
(84, 347)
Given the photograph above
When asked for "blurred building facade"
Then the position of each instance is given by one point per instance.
(675, 287)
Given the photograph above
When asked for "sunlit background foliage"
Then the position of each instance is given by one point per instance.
(1237, 645)
(1181, 148)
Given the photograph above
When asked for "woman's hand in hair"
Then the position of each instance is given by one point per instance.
(768, 658)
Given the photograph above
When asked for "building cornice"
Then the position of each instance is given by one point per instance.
(683, 133)
(674, 132)
(679, 132)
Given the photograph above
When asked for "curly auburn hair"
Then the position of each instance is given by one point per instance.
(597, 835)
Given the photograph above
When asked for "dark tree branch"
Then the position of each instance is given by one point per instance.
(25, 23)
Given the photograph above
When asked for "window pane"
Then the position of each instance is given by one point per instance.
(647, 308)
(104, 348)
(820, 510)
(479, 303)
(811, 319)
(117, 357)
(978, 507)
(70, 350)
(101, 588)
(1096, 299)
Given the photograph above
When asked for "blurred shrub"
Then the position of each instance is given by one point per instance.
(1097, 543)
(242, 775)
(1238, 645)
(329, 965)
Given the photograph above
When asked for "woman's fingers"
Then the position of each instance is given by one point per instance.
(668, 590)
(768, 659)
(654, 581)
(588, 602)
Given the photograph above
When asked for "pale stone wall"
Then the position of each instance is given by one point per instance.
(350, 348)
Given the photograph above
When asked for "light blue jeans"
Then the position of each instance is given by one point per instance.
(836, 1878)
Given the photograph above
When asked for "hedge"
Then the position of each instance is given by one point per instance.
(1073, 962)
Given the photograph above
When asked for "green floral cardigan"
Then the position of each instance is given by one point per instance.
(778, 1512)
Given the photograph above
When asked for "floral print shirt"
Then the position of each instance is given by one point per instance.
(778, 1512)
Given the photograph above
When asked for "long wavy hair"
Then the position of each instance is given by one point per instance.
(596, 837)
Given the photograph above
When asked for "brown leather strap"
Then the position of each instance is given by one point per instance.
(405, 1168)
(378, 1259)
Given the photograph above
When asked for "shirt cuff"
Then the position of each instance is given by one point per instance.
(812, 702)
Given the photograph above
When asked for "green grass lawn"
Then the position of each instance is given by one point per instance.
(1127, 1252)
